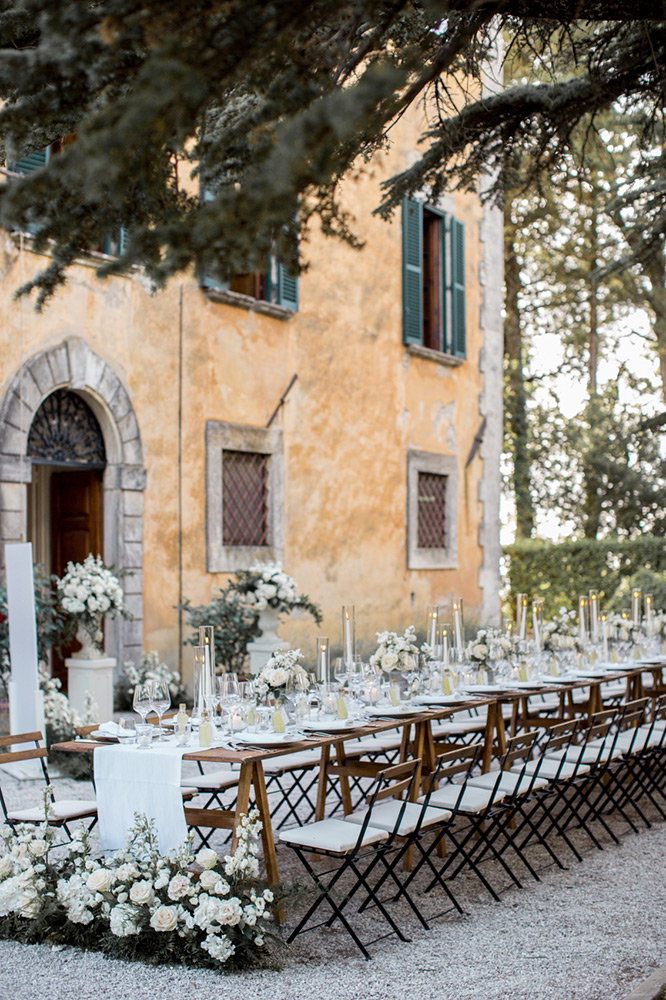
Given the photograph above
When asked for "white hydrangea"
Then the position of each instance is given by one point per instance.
(123, 920)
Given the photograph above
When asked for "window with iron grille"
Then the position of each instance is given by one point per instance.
(244, 498)
(431, 510)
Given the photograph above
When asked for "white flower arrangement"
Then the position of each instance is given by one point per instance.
(152, 668)
(398, 652)
(266, 585)
(490, 644)
(282, 667)
(89, 592)
(192, 908)
(625, 630)
(561, 633)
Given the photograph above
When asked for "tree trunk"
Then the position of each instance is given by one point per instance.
(516, 396)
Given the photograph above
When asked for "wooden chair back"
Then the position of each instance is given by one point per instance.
(17, 739)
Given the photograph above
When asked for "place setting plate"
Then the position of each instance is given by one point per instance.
(393, 711)
(439, 699)
(334, 726)
(267, 741)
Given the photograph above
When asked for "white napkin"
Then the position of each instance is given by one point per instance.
(129, 780)
(108, 728)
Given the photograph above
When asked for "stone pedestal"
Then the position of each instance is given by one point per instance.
(94, 676)
(262, 649)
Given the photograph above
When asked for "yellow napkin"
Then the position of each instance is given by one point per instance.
(553, 668)
(446, 685)
(393, 696)
(278, 722)
(522, 675)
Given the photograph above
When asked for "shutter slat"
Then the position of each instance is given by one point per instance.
(412, 272)
(287, 290)
(33, 161)
(458, 345)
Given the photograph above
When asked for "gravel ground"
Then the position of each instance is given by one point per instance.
(592, 932)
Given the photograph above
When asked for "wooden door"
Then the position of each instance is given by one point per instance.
(76, 529)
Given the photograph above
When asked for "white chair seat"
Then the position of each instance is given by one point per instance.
(510, 782)
(372, 744)
(474, 800)
(551, 768)
(459, 728)
(588, 753)
(62, 811)
(212, 782)
(331, 835)
(385, 816)
(292, 761)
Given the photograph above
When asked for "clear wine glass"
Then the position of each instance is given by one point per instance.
(161, 702)
(142, 702)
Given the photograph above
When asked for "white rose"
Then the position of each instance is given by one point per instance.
(38, 848)
(208, 880)
(142, 892)
(100, 880)
(278, 677)
(389, 661)
(122, 920)
(269, 591)
(164, 919)
(207, 858)
(229, 912)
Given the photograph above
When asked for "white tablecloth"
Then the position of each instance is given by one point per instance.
(130, 780)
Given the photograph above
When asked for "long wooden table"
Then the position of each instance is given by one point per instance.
(337, 754)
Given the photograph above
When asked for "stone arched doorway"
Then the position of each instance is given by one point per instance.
(66, 383)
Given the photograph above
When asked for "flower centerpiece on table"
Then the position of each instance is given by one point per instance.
(398, 652)
(561, 634)
(626, 630)
(89, 592)
(282, 668)
(489, 645)
(266, 585)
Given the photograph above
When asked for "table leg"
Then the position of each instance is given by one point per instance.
(242, 797)
(322, 787)
(345, 793)
(261, 798)
(494, 727)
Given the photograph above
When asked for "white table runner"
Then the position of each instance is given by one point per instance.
(131, 779)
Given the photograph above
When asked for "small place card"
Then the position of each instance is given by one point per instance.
(278, 722)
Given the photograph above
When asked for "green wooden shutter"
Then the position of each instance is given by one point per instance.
(457, 288)
(33, 161)
(287, 289)
(123, 237)
(412, 272)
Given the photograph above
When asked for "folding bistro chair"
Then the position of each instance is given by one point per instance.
(61, 812)
(357, 849)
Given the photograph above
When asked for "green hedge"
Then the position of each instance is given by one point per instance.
(561, 571)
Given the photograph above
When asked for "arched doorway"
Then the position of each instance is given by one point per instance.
(65, 509)
(72, 369)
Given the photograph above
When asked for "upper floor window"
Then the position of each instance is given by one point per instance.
(433, 279)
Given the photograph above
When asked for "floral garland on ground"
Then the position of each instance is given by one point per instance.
(397, 652)
(194, 909)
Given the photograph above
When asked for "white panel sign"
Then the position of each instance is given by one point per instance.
(25, 711)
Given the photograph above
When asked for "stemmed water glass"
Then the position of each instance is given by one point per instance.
(142, 701)
(161, 702)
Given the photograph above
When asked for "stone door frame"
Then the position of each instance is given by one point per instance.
(74, 366)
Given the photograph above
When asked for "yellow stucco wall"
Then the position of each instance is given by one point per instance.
(360, 402)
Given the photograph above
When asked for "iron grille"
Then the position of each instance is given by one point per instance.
(245, 498)
(431, 511)
(65, 431)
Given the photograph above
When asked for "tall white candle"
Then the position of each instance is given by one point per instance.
(446, 643)
(636, 606)
(458, 622)
(582, 618)
(348, 629)
(594, 615)
(648, 613)
(535, 625)
(604, 634)
(432, 615)
(323, 659)
(521, 616)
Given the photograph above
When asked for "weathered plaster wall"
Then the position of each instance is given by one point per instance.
(360, 403)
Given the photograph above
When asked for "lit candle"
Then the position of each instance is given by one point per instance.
(458, 622)
(604, 634)
(323, 659)
(535, 625)
(432, 614)
(508, 627)
(446, 644)
(521, 616)
(594, 615)
(582, 618)
(636, 606)
(348, 631)
(648, 613)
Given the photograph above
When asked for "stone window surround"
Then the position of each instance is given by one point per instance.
(72, 365)
(222, 437)
(442, 465)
